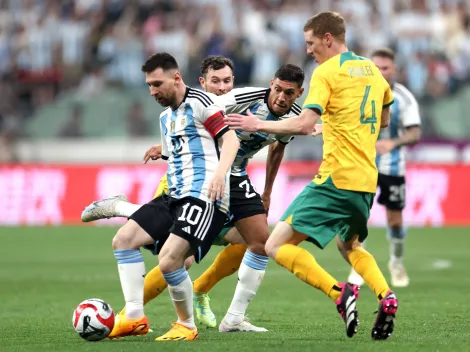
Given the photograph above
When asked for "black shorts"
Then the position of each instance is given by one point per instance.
(392, 191)
(244, 200)
(196, 221)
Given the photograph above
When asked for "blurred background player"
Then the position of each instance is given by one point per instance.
(274, 103)
(354, 101)
(404, 130)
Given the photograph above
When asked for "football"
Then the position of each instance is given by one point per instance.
(93, 319)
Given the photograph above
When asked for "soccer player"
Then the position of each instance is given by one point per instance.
(354, 101)
(192, 215)
(245, 203)
(404, 130)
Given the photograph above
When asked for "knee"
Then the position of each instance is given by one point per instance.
(123, 239)
(169, 262)
(271, 248)
(189, 262)
(258, 248)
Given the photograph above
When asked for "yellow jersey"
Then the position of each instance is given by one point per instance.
(162, 187)
(350, 92)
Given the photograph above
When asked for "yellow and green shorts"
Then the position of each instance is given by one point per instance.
(322, 211)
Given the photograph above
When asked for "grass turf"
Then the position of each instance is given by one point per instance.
(45, 272)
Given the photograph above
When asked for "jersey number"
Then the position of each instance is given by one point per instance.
(193, 216)
(372, 120)
(397, 193)
(245, 185)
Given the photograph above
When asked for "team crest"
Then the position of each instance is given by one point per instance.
(184, 122)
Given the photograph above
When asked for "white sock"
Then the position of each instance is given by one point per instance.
(397, 248)
(125, 209)
(131, 273)
(182, 297)
(249, 280)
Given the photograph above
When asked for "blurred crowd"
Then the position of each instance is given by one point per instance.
(50, 47)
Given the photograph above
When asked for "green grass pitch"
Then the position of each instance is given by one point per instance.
(45, 272)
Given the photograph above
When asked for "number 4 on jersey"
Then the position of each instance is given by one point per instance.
(372, 120)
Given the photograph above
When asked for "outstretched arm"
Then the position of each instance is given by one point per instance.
(297, 125)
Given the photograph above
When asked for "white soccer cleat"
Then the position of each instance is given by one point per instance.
(355, 278)
(399, 275)
(102, 209)
(244, 326)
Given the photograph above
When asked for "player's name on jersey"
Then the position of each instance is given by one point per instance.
(360, 71)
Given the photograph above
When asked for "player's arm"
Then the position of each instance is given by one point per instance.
(385, 119)
(154, 153)
(314, 106)
(213, 120)
(275, 156)
(387, 102)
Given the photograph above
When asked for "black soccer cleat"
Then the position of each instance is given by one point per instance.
(346, 305)
(385, 322)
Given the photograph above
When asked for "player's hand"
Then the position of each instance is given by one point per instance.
(248, 122)
(384, 146)
(317, 130)
(216, 186)
(154, 153)
(266, 198)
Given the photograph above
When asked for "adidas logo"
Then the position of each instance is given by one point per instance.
(187, 229)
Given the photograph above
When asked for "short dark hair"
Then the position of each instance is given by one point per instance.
(291, 73)
(384, 52)
(215, 62)
(160, 60)
(327, 22)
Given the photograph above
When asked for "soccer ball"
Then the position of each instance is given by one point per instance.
(93, 319)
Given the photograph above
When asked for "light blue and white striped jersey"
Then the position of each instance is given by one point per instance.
(404, 113)
(238, 101)
(189, 143)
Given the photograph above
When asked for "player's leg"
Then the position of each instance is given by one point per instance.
(225, 264)
(249, 217)
(195, 228)
(149, 226)
(396, 234)
(155, 284)
(116, 206)
(131, 268)
(327, 205)
(366, 266)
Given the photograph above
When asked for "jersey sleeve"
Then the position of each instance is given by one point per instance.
(165, 154)
(388, 95)
(285, 139)
(212, 117)
(319, 92)
(239, 100)
(410, 114)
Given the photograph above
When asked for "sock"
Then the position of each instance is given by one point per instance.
(396, 237)
(250, 275)
(131, 273)
(303, 265)
(125, 209)
(181, 293)
(366, 266)
(225, 264)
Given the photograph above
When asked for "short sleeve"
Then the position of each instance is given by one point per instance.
(410, 114)
(388, 95)
(211, 115)
(319, 92)
(163, 131)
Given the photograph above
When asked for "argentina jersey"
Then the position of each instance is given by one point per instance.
(189, 143)
(404, 113)
(238, 101)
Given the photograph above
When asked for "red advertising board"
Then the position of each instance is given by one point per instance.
(437, 195)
